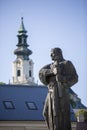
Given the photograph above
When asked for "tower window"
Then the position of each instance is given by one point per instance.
(18, 72)
(29, 73)
(24, 41)
(19, 40)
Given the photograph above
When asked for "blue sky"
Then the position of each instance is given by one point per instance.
(50, 23)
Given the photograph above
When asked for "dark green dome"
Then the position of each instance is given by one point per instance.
(23, 51)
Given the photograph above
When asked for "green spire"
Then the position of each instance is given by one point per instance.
(22, 28)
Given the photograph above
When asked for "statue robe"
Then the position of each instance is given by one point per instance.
(57, 106)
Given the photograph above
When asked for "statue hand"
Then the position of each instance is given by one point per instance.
(54, 71)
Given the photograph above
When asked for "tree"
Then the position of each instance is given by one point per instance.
(2, 83)
(84, 113)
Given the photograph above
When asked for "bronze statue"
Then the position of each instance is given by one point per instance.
(59, 76)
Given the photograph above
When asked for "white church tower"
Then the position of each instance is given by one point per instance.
(22, 68)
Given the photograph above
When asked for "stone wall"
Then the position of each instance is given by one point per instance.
(26, 125)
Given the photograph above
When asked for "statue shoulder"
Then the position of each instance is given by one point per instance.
(70, 64)
(66, 63)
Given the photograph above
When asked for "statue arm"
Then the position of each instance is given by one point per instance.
(70, 77)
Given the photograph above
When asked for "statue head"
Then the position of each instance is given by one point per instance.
(56, 54)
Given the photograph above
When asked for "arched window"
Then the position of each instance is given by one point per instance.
(18, 72)
(19, 40)
(29, 73)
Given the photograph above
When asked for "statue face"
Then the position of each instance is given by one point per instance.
(56, 54)
(52, 54)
